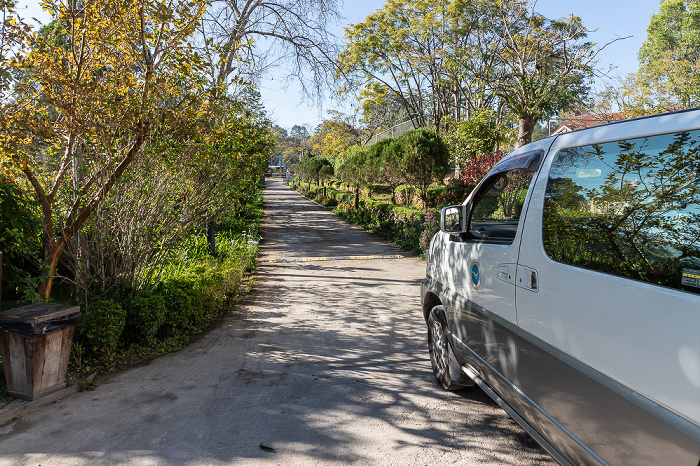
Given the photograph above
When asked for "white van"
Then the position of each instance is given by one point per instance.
(567, 286)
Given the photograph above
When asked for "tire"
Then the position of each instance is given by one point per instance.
(439, 349)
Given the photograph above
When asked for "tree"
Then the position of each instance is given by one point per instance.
(457, 58)
(425, 160)
(326, 173)
(422, 55)
(293, 144)
(333, 137)
(371, 168)
(14, 38)
(674, 29)
(250, 36)
(545, 65)
(469, 139)
(166, 197)
(14, 35)
(313, 168)
(397, 50)
(385, 160)
(350, 166)
(381, 109)
(469, 58)
(392, 157)
(110, 79)
(669, 75)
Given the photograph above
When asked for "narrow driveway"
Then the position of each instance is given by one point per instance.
(325, 363)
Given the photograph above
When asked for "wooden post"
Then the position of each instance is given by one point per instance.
(211, 238)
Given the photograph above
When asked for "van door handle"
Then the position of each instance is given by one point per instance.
(506, 272)
(527, 278)
(533, 279)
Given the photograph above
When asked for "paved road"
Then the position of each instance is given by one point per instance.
(326, 363)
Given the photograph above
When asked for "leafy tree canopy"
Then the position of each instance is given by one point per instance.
(670, 59)
(333, 137)
(453, 58)
(675, 29)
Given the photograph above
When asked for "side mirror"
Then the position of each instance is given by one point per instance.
(453, 219)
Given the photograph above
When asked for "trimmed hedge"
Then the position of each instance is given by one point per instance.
(165, 317)
(101, 327)
(409, 228)
(400, 225)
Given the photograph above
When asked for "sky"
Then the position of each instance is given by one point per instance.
(610, 18)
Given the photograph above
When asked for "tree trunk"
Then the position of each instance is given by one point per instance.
(526, 127)
(51, 263)
(424, 198)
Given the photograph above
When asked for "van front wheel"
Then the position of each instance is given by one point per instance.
(439, 349)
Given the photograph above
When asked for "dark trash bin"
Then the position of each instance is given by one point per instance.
(35, 344)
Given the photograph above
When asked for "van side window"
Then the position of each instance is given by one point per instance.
(497, 209)
(629, 208)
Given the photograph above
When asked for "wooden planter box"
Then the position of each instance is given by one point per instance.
(35, 343)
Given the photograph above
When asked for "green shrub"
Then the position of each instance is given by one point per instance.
(181, 305)
(435, 194)
(329, 202)
(191, 292)
(332, 198)
(101, 327)
(20, 243)
(381, 189)
(454, 193)
(210, 286)
(145, 317)
(401, 225)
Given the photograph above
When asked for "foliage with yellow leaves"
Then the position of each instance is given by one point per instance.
(104, 78)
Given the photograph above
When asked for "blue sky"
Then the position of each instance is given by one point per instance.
(611, 18)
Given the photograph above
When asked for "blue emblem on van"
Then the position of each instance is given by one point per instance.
(475, 274)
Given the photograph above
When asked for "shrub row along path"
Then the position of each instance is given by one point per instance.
(326, 362)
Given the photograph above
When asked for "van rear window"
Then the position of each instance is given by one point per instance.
(629, 208)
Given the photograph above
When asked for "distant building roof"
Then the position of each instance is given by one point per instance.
(587, 121)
